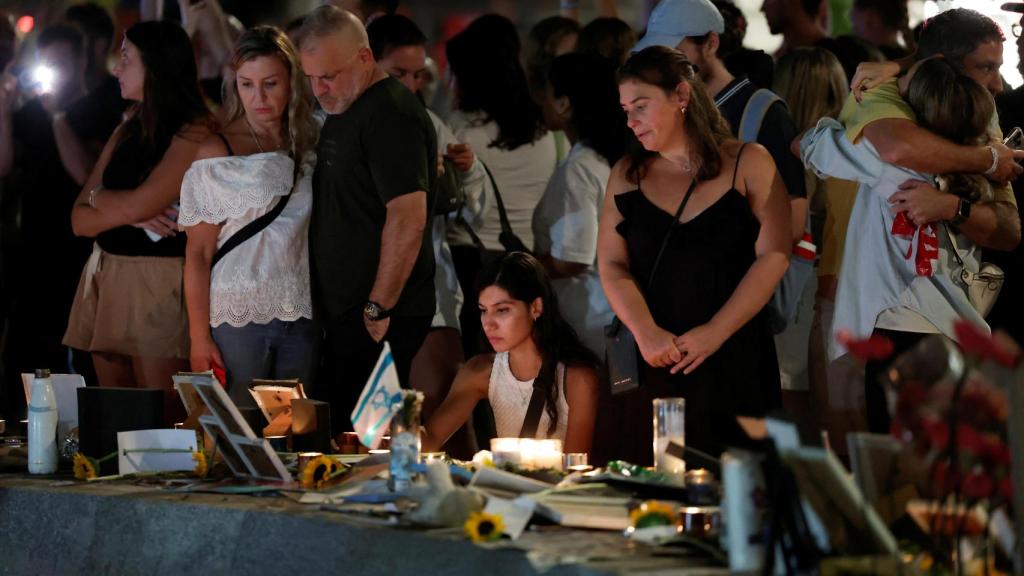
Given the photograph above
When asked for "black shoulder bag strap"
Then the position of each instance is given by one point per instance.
(257, 225)
(533, 412)
(506, 226)
(668, 235)
(616, 322)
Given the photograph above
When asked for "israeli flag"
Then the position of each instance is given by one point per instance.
(379, 401)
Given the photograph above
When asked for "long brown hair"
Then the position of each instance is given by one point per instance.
(298, 122)
(954, 106)
(813, 84)
(171, 95)
(666, 68)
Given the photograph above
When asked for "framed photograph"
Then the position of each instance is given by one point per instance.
(245, 453)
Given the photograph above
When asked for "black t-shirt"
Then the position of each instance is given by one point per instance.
(1008, 312)
(382, 147)
(776, 134)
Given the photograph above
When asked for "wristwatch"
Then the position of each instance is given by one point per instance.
(963, 212)
(375, 312)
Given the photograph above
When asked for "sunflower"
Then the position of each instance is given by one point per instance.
(484, 527)
(319, 472)
(653, 513)
(201, 466)
(85, 467)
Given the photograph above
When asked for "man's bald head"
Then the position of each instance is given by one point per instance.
(330, 21)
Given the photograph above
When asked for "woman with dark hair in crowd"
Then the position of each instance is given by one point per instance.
(129, 310)
(496, 117)
(548, 39)
(251, 312)
(533, 347)
(582, 100)
(692, 243)
(608, 37)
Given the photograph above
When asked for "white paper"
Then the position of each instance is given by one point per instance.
(515, 514)
(65, 390)
(493, 478)
(155, 461)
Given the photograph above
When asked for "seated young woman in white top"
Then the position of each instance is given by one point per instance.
(533, 346)
(257, 298)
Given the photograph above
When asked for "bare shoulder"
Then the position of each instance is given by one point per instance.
(196, 132)
(211, 147)
(755, 162)
(581, 376)
(618, 181)
(478, 369)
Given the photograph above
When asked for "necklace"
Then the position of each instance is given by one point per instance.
(255, 138)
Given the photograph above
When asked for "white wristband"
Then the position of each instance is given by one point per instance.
(995, 161)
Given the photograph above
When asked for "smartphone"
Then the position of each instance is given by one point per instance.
(1015, 139)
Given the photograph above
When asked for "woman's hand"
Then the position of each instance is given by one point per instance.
(658, 347)
(163, 225)
(696, 346)
(872, 74)
(204, 355)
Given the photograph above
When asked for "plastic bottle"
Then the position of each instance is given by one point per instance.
(42, 426)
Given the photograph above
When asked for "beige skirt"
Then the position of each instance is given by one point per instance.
(130, 305)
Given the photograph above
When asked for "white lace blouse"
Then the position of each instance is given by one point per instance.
(266, 277)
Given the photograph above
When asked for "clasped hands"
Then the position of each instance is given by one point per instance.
(661, 349)
(923, 203)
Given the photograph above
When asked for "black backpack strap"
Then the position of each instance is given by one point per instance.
(250, 230)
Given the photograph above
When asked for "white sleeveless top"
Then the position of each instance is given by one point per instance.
(510, 398)
(266, 277)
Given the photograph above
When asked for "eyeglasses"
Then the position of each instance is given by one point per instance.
(1015, 29)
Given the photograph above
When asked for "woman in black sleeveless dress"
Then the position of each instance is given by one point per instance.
(700, 328)
(129, 311)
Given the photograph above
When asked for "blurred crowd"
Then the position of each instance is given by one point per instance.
(547, 232)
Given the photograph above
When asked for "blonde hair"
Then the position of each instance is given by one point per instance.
(813, 84)
(299, 124)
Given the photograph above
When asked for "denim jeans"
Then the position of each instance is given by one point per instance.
(276, 351)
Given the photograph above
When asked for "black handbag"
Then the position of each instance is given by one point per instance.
(621, 353)
(509, 241)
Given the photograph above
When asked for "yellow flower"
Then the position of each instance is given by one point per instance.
(85, 467)
(484, 527)
(201, 466)
(319, 472)
(653, 513)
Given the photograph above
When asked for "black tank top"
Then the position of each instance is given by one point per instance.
(130, 164)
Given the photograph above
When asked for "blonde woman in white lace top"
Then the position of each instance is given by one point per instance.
(534, 348)
(251, 312)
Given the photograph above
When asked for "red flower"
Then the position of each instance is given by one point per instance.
(974, 341)
(1006, 488)
(873, 348)
(977, 485)
(944, 479)
(936, 432)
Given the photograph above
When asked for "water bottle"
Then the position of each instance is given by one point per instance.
(405, 442)
(42, 426)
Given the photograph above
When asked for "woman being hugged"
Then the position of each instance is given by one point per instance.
(256, 297)
(129, 309)
(706, 200)
(533, 347)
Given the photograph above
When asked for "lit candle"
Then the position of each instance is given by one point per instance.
(528, 453)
